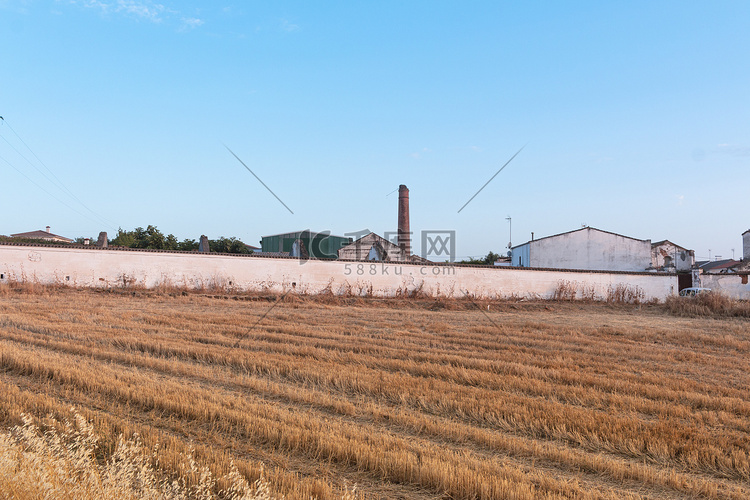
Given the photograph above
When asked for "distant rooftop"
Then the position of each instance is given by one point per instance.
(576, 230)
(718, 266)
(42, 235)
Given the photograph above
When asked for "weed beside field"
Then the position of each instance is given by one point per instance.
(61, 463)
(615, 294)
(708, 304)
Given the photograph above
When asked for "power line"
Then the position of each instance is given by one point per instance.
(57, 182)
(259, 180)
(485, 184)
(40, 187)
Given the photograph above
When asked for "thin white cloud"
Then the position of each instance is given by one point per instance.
(733, 149)
(418, 154)
(287, 26)
(19, 7)
(139, 9)
(189, 23)
(105, 7)
(145, 10)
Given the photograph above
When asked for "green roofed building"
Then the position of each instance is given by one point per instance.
(314, 245)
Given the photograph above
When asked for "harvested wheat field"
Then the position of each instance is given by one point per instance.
(403, 398)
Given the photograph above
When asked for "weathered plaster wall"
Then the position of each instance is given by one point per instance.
(728, 284)
(93, 267)
(592, 250)
(684, 260)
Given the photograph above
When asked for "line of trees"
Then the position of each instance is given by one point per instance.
(488, 260)
(152, 238)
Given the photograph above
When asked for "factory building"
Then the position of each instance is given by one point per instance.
(308, 244)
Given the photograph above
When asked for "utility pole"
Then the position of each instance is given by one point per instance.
(510, 232)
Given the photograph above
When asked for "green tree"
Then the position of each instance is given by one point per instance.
(488, 260)
(170, 242)
(123, 239)
(228, 245)
(150, 237)
(187, 245)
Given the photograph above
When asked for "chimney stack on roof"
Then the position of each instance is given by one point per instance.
(404, 235)
(48, 228)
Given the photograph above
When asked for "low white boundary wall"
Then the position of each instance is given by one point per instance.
(728, 284)
(95, 267)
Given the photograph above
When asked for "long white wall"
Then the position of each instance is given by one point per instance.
(94, 267)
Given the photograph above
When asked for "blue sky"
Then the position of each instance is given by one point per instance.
(635, 118)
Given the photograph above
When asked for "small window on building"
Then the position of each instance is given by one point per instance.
(2, 276)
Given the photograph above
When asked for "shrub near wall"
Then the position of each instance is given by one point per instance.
(708, 304)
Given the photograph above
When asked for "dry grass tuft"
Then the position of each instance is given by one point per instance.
(708, 304)
(60, 463)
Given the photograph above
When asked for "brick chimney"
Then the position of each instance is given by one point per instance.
(48, 229)
(404, 235)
